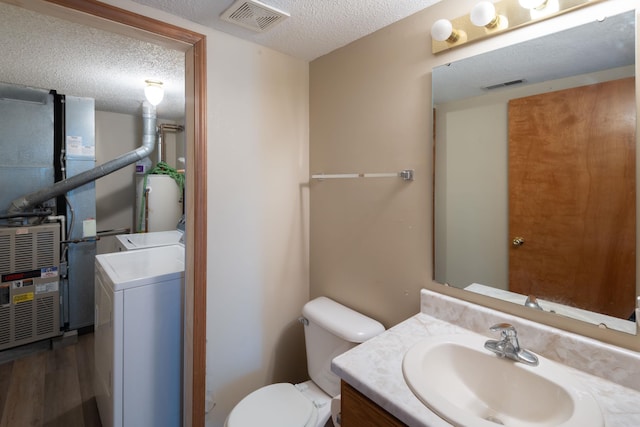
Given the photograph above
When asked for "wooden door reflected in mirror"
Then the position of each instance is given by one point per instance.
(572, 196)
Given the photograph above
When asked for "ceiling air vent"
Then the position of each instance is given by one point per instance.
(505, 84)
(253, 15)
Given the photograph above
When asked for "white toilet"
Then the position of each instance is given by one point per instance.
(330, 329)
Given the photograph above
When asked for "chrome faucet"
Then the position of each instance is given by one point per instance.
(508, 346)
(532, 302)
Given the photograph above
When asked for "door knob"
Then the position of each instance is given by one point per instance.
(518, 241)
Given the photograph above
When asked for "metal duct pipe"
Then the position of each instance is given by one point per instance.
(66, 185)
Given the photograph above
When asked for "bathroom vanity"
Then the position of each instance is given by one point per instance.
(374, 382)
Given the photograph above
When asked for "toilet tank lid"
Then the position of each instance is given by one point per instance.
(341, 321)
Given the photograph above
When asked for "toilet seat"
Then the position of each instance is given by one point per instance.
(277, 405)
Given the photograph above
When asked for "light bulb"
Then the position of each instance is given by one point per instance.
(533, 4)
(548, 8)
(442, 30)
(154, 92)
(484, 14)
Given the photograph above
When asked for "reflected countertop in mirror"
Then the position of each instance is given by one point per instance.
(602, 320)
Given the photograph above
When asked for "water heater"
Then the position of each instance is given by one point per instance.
(158, 203)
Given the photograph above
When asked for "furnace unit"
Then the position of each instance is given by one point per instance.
(30, 284)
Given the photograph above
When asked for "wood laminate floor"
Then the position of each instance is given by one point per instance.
(52, 388)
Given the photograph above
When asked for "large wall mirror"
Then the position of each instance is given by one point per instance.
(535, 173)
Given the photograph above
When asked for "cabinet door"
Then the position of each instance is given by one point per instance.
(358, 410)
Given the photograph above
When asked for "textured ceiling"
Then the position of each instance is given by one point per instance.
(73, 59)
(50, 53)
(314, 28)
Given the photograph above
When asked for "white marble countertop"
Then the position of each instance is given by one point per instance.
(375, 369)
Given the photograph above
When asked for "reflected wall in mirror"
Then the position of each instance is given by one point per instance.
(508, 126)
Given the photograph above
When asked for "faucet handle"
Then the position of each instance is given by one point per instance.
(507, 330)
(509, 346)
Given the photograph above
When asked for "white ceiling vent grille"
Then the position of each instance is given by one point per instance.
(253, 15)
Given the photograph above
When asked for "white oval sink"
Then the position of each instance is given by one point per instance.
(467, 385)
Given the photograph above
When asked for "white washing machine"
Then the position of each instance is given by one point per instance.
(134, 241)
(138, 337)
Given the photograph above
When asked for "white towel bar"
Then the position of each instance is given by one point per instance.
(406, 175)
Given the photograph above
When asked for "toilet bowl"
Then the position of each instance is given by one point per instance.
(283, 405)
(330, 330)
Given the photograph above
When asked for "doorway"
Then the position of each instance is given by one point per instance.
(114, 19)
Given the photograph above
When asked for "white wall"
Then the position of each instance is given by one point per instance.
(257, 250)
(475, 206)
(258, 208)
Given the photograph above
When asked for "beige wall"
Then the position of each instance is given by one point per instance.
(371, 240)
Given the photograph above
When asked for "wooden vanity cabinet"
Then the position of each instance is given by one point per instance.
(357, 410)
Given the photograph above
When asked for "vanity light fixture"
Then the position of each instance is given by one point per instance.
(488, 18)
(154, 92)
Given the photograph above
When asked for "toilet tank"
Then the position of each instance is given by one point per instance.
(330, 330)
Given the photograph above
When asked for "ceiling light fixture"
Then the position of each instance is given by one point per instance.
(154, 92)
